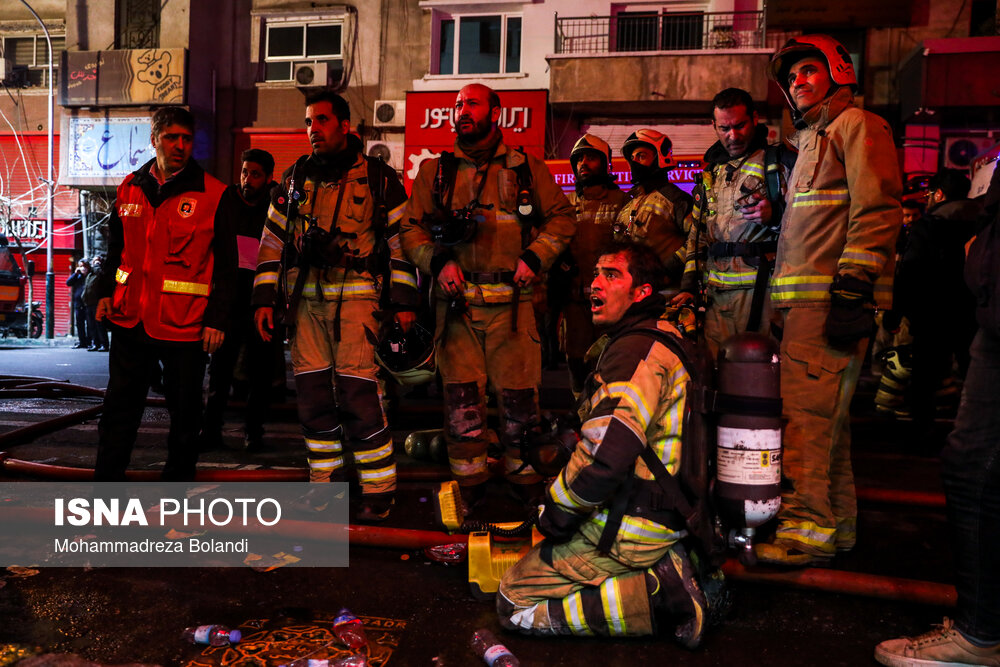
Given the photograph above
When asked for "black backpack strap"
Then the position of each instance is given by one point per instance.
(377, 183)
(444, 181)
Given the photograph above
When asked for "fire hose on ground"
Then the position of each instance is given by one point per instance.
(893, 588)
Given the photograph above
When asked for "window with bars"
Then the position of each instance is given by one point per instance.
(479, 44)
(138, 24)
(291, 43)
(28, 58)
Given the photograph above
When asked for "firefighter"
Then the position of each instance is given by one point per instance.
(598, 200)
(737, 212)
(656, 212)
(834, 267)
(640, 581)
(483, 222)
(323, 262)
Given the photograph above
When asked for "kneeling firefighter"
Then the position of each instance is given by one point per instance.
(610, 506)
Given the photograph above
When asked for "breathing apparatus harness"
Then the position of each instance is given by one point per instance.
(325, 249)
(756, 251)
(450, 227)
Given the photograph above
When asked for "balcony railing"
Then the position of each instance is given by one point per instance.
(630, 32)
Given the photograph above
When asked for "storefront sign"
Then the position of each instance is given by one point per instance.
(29, 233)
(430, 124)
(103, 150)
(122, 77)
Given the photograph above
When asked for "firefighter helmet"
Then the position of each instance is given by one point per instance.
(659, 142)
(407, 356)
(838, 61)
(589, 142)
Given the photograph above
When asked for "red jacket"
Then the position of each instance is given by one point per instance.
(172, 256)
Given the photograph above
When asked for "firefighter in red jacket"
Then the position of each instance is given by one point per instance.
(166, 293)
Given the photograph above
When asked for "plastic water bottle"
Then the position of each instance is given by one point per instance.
(356, 660)
(493, 653)
(350, 630)
(213, 635)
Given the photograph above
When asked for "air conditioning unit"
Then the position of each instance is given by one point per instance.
(961, 151)
(391, 152)
(311, 74)
(390, 113)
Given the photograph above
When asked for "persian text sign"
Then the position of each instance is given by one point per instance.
(123, 76)
(100, 148)
(430, 124)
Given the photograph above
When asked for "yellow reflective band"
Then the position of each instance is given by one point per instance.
(396, 214)
(349, 288)
(573, 611)
(183, 287)
(732, 278)
(614, 613)
(326, 464)
(373, 455)
(628, 392)
(810, 534)
(565, 496)
(121, 276)
(467, 467)
(550, 241)
(512, 465)
(323, 445)
(389, 472)
(404, 278)
(753, 169)
(821, 198)
(265, 278)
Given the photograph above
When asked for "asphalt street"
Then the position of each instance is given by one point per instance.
(418, 612)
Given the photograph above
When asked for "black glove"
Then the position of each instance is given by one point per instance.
(557, 524)
(852, 311)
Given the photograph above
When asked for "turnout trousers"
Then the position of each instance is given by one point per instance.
(819, 507)
(573, 589)
(474, 347)
(339, 396)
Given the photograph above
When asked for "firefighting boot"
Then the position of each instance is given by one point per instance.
(677, 598)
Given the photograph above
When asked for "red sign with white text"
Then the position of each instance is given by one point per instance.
(430, 124)
(683, 174)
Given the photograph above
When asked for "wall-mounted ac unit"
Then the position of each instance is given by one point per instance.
(960, 151)
(389, 151)
(390, 113)
(311, 74)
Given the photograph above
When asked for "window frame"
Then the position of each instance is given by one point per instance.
(456, 17)
(304, 22)
(38, 41)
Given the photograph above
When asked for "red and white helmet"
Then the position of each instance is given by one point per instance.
(838, 61)
(659, 142)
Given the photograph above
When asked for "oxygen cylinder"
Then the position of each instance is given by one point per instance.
(748, 470)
